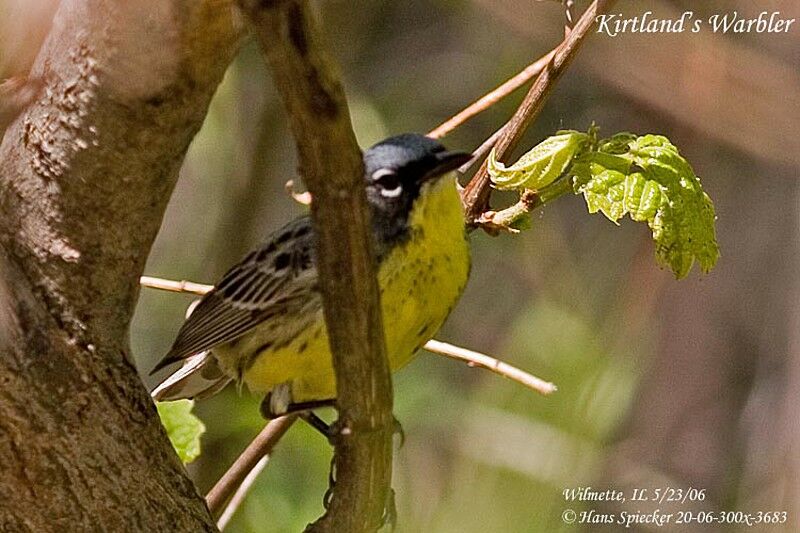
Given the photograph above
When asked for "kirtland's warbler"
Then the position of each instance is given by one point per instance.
(262, 324)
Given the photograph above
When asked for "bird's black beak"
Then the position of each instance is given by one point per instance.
(447, 161)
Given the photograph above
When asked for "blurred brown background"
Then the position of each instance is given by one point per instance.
(662, 383)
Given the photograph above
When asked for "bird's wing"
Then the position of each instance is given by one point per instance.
(278, 276)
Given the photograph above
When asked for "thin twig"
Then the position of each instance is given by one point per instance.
(438, 347)
(261, 446)
(495, 222)
(482, 151)
(246, 466)
(304, 198)
(477, 359)
(240, 494)
(476, 193)
(174, 286)
(489, 99)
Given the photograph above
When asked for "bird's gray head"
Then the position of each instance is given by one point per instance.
(396, 170)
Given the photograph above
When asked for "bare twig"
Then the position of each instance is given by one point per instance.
(476, 193)
(509, 86)
(261, 446)
(246, 466)
(331, 165)
(174, 286)
(240, 494)
(481, 151)
(477, 359)
(440, 348)
(489, 99)
(495, 222)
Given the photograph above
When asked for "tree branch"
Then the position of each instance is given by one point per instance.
(471, 357)
(263, 444)
(492, 97)
(479, 360)
(476, 193)
(241, 493)
(184, 286)
(86, 172)
(332, 167)
(260, 447)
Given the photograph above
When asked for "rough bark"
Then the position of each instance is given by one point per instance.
(86, 173)
(332, 167)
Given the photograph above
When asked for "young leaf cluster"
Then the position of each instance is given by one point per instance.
(647, 178)
(644, 177)
(539, 167)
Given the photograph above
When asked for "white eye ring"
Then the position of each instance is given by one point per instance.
(387, 193)
(381, 172)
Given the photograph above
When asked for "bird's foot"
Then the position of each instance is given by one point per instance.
(319, 424)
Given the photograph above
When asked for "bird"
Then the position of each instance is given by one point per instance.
(262, 324)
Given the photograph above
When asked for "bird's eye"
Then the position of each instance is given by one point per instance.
(388, 181)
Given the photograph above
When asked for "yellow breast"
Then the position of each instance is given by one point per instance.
(421, 281)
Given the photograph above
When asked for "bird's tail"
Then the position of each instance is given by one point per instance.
(198, 378)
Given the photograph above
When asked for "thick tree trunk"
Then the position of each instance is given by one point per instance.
(86, 175)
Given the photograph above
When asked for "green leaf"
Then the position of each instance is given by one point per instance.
(539, 167)
(183, 428)
(647, 178)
